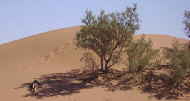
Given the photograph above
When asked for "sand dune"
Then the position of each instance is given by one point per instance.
(53, 55)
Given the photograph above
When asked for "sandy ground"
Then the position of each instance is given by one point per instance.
(53, 59)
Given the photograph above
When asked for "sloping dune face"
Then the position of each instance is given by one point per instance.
(52, 52)
(161, 41)
(29, 50)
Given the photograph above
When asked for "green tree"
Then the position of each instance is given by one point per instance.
(179, 59)
(106, 34)
(140, 54)
(142, 57)
(186, 22)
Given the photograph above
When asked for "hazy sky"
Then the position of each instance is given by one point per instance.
(22, 18)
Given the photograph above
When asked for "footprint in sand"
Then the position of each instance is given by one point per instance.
(54, 53)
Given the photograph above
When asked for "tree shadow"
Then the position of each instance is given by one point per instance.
(72, 82)
(119, 80)
(58, 84)
(161, 87)
(62, 84)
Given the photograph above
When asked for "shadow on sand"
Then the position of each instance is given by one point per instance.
(57, 84)
(161, 87)
(62, 84)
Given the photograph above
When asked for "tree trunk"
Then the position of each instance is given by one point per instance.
(106, 67)
(102, 64)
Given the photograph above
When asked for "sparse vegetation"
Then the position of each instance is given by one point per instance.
(140, 54)
(186, 22)
(142, 59)
(109, 36)
(90, 63)
(179, 59)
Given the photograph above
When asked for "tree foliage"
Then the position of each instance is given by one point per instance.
(186, 22)
(179, 59)
(89, 61)
(140, 55)
(106, 34)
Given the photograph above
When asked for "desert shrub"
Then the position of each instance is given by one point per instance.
(179, 59)
(141, 56)
(89, 60)
(186, 22)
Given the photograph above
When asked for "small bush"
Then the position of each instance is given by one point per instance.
(141, 55)
(90, 63)
(179, 59)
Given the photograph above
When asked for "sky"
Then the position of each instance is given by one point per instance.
(23, 18)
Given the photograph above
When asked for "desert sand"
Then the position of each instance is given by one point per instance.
(54, 60)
